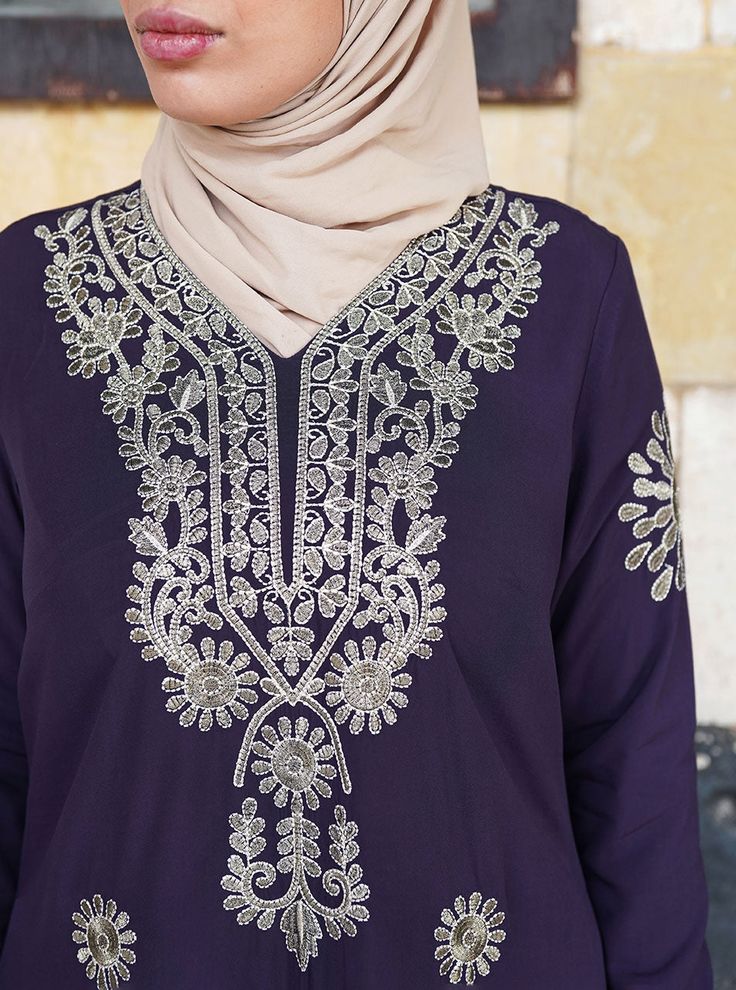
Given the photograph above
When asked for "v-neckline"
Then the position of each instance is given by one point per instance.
(447, 252)
(269, 357)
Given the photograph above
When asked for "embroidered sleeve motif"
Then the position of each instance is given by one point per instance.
(371, 441)
(468, 938)
(656, 514)
(104, 938)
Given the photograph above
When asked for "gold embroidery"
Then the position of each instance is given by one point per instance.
(373, 430)
(662, 511)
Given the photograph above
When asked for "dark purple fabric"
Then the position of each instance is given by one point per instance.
(545, 757)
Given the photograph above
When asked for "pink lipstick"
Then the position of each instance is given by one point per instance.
(168, 35)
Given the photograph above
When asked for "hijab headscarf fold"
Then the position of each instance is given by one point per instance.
(286, 217)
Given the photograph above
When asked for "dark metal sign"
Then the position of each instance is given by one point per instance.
(525, 49)
(70, 50)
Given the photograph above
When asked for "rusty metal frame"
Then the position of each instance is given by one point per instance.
(63, 59)
(525, 50)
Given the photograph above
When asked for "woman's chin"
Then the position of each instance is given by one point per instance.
(186, 95)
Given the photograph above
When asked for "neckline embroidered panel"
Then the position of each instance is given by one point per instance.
(194, 395)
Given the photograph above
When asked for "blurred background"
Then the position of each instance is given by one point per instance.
(625, 109)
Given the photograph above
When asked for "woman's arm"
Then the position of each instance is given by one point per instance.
(13, 765)
(624, 656)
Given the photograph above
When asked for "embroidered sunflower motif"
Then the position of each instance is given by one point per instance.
(365, 688)
(448, 383)
(104, 937)
(168, 482)
(467, 940)
(210, 688)
(658, 512)
(128, 389)
(294, 760)
(408, 479)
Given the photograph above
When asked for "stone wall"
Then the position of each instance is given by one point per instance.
(649, 150)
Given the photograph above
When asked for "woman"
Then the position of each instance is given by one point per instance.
(382, 490)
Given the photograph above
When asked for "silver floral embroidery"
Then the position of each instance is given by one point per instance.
(300, 852)
(657, 510)
(210, 685)
(293, 761)
(371, 438)
(367, 689)
(104, 938)
(468, 938)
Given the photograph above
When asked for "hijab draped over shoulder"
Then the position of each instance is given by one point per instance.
(286, 217)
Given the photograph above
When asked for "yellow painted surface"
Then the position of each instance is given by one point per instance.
(529, 148)
(655, 160)
(52, 154)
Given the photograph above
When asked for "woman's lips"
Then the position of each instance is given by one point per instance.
(168, 46)
(169, 35)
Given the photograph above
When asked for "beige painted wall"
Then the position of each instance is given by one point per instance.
(649, 150)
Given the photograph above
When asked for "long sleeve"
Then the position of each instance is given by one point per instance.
(623, 649)
(13, 764)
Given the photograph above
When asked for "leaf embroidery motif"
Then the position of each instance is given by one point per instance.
(656, 509)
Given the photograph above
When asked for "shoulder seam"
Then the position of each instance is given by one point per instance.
(618, 246)
(51, 214)
(560, 204)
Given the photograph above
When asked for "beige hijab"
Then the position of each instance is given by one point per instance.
(287, 217)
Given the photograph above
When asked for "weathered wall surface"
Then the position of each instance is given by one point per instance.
(648, 149)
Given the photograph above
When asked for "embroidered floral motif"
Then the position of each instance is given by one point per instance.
(193, 396)
(293, 761)
(103, 934)
(467, 940)
(661, 513)
(300, 852)
(368, 690)
(210, 685)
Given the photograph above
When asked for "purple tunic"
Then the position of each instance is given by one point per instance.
(366, 668)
